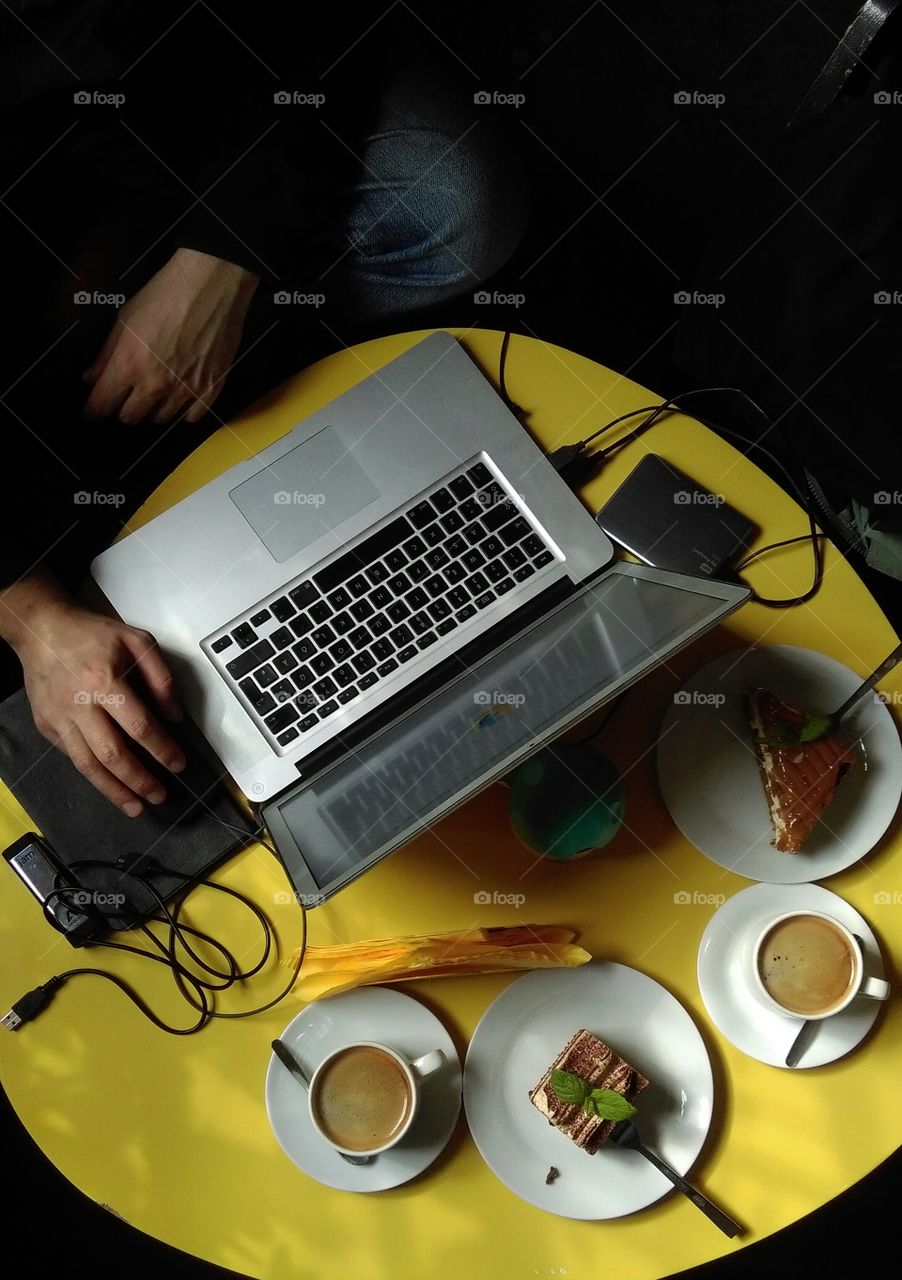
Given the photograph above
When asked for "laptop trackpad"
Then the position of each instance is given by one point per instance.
(304, 494)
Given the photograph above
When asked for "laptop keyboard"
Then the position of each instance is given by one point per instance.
(331, 635)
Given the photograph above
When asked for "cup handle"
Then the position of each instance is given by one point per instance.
(430, 1062)
(875, 988)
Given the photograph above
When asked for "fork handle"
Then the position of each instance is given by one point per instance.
(717, 1216)
(885, 667)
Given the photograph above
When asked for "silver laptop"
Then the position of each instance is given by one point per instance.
(312, 597)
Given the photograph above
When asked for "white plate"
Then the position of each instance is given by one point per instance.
(371, 1013)
(724, 987)
(709, 776)
(520, 1035)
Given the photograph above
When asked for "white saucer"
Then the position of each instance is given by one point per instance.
(734, 1010)
(709, 776)
(520, 1035)
(371, 1013)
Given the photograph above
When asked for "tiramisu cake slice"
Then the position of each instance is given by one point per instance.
(800, 778)
(600, 1067)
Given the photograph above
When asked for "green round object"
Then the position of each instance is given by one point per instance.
(566, 801)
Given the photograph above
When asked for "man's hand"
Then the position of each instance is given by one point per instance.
(76, 665)
(173, 343)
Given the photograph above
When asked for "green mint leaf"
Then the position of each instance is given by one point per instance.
(608, 1104)
(815, 727)
(568, 1087)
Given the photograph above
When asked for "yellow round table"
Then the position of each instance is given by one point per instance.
(172, 1135)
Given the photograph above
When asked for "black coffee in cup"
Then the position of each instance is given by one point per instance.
(807, 965)
(363, 1098)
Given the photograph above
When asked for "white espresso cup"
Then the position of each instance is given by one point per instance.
(357, 1099)
(801, 975)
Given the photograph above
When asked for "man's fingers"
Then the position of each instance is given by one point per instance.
(140, 726)
(157, 676)
(96, 369)
(110, 391)
(82, 754)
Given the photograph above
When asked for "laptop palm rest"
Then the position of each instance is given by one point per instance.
(305, 493)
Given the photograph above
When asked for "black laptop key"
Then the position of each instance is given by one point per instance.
(498, 515)
(458, 597)
(495, 571)
(471, 509)
(406, 654)
(259, 618)
(303, 650)
(266, 676)
(385, 669)
(361, 610)
(380, 624)
(515, 557)
(414, 547)
(301, 625)
(433, 534)
(261, 702)
(288, 736)
(455, 572)
(321, 663)
(425, 641)
(502, 588)
(283, 691)
(342, 623)
(377, 573)
(418, 571)
(363, 662)
(343, 676)
(360, 638)
(514, 531)
(478, 583)
(397, 611)
(245, 662)
(465, 613)
(323, 636)
(399, 584)
(422, 514)
(545, 558)
(342, 650)
(473, 559)
(222, 643)
(452, 522)
(380, 597)
(456, 546)
(395, 560)
(439, 609)
(474, 533)
(444, 627)
(442, 500)
(358, 586)
(319, 612)
(485, 599)
(493, 546)
(326, 687)
(281, 638)
(244, 634)
(303, 677)
(282, 609)
(419, 623)
(526, 571)
(347, 695)
(303, 594)
(340, 599)
(326, 709)
(284, 662)
(416, 598)
(401, 635)
(308, 723)
(383, 649)
(281, 719)
(436, 585)
(367, 681)
(461, 487)
(363, 555)
(533, 545)
(479, 474)
(436, 558)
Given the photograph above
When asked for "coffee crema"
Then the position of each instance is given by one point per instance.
(806, 965)
(363, 1098)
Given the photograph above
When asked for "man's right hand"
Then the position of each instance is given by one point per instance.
(76, 665)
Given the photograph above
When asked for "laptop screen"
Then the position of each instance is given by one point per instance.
(482, 725)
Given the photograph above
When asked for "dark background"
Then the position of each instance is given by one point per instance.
(626, 194)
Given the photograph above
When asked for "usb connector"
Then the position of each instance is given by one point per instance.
(30, 1005)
